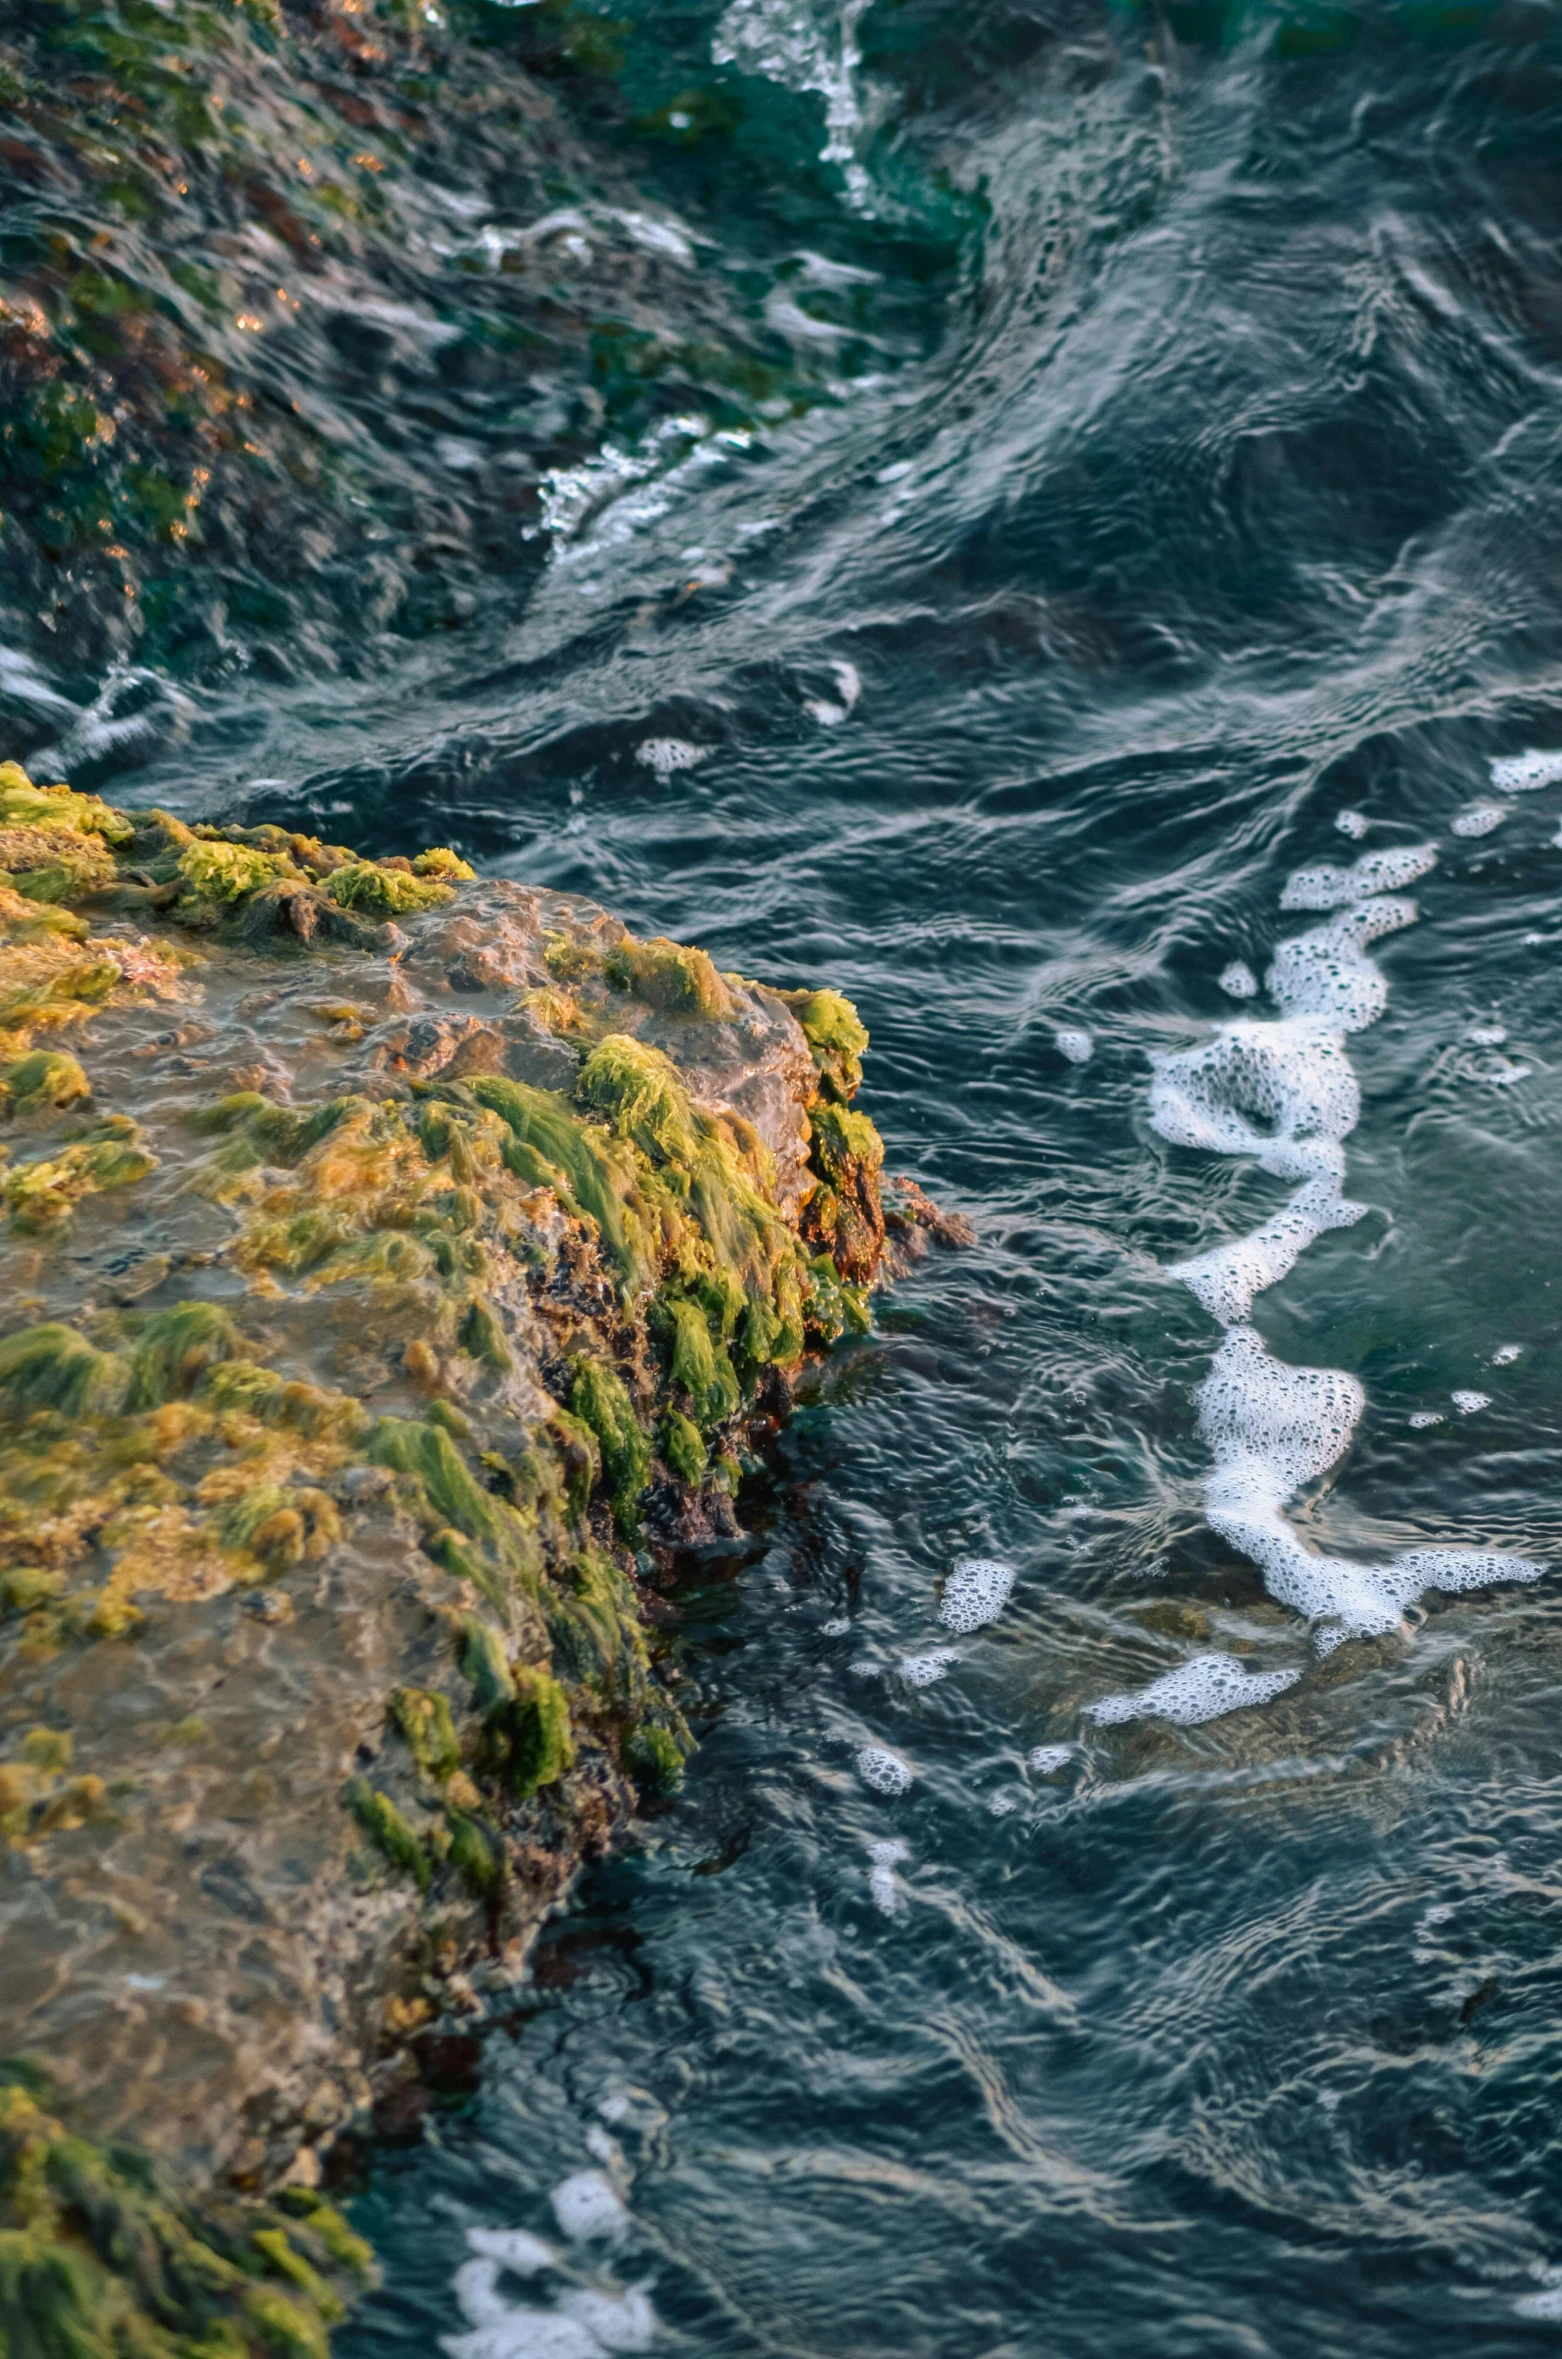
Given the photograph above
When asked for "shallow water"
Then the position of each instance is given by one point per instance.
(1217, 540)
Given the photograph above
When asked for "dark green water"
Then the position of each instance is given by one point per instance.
(1229, 500)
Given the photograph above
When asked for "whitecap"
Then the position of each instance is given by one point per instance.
(883, 1860)
(1206, 1687)
(975, 1593)
(525, 2334)
(515, 2249)
(619, 2322)
(1522, 773)
(1327, 887)
(924, 1670)
(664, 755)
(588, 2206)
(883, 1770)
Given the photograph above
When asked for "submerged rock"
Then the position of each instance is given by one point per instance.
(393, 1263)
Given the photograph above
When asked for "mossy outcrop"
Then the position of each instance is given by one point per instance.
(379, 1318)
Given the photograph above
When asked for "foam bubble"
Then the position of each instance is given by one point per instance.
(1352, 823)
(515, 2249)
(975, 1593)
(1519, 774)
(664, 755)
(837, 1627)
(525, 2334)
(1420, 1419)
(1327, 887)
(924, 1670)
(1046, 1760)
(1238, 980)
(1487, 1035)
(1002, 1803)
(1283, 1093)
(1326, 974)
(587, 2206)
(1479, 821)
(883, 1860)
(619, 2322)
(1506, 1354)
(1226, 1278)
(1077, 1046)
(1468, 1402)
(883, 1770)
(1205, 1688)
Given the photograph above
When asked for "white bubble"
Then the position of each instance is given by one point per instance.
(837, 1627)
(619, 2322)
(664, 755)
(1001, 1803)
(884, 1771)
(587, 2205)
(1326, 973)
(1522, 773)
(975, 1593)
(1479, 821)
(1505, 1354)
(525, 2334)
(1077, 1046)
(1420, 1419)
(1486, 1035)
(1046, 1760)
(1351, 823)
(1543, 2305)
(1283, 1093)
(1468, 1402)
(515, 2249)
(1226, 1278)
(883, 1860)
(1238, 980)
(1206, 1688)
(1326, 887)
(923, 1670)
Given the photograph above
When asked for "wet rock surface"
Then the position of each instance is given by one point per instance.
(394, 1265)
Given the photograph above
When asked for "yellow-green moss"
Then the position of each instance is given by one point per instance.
(425, 1722)
(383, 1823)
(226, 872)
(599, 1398)
(440, 861)
(44, 1078)
(836, 1035)
(672, 977)
(380, 891)
(22, 804)
(683, 1447)
(109, 1155)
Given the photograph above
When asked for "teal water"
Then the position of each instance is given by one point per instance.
(1217, 497)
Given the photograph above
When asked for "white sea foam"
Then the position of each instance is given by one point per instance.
(1479, 821)
(1204, 1688)
(515, 2249)
(1327, 974)
(830, 712)
(1238, 980)
(1283, 1093)
(618, 2322)
(588, 2206)
(1046, 1760)
(1468, 1402)
(1487, 1035)
(924, 1670)
(1352, 823)
(837, 1627)
(1420, 1419)
(1326, 887)
(1226, 1278)
(1077, 1046)
(1002, 1803)
(883, 1770)
(1519, 774)
(975, 1593)
(1506, 1354)
(523, 2333)
(883, 1860)
(664, 755)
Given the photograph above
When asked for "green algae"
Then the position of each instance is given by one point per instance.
(836, 1036)
(52, 1367)
(176, 1350)
(671, 977)
(425, 1721)
(43, 1193)
(384, 891)
(683, 1447)
(99, 2260)
(44, 1079)
(386, 1828)
(599, 1398)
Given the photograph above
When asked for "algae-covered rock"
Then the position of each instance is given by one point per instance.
(377, 1315)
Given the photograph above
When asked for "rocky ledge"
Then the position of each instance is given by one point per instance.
(397, 1267)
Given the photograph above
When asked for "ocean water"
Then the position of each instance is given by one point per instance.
(1116, 1907)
